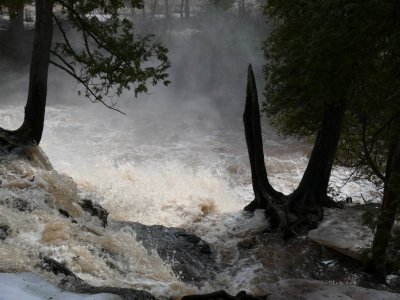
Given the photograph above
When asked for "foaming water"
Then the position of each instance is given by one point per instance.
(187, 169)
(32, 228)
(153, 172)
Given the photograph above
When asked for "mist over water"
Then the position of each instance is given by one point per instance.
(177, 147)
(178, 157)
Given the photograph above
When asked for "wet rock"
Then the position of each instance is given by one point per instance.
(343, 231)
(21, 204)
(393, 281)
(51, 265)
(95, 210)
(77, 285)
(205, 249)
(64, 213)
(190, 257)
(17, 203)
(247, 243)
(348, 200)
(222, 295)
(396, 231)
(72, 283)
(4, 231)
(191, 238)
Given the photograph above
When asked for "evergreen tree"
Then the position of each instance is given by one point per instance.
(319, 56)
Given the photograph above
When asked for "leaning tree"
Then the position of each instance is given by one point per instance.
(108, 59)
(313, 56)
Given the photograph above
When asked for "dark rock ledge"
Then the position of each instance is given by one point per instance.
(191, 258)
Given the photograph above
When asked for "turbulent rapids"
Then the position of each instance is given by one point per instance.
(174, 176)
(191, 174)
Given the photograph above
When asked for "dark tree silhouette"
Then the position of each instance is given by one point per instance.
(301, 210)
(111, 60)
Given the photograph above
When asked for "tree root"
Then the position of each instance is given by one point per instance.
(11, 141)
(302, 210)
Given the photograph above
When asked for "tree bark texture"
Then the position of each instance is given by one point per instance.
(242, 8)
(153, 9)
(308, 200)
(17, 23)
(144, 10)
(303, 209)
(167, 10)
(181, 8)
(32, 127)
(252, 126)
(389, 209)
(187, 9)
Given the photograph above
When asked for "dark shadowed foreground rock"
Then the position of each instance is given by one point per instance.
(51, 265)
(71, 283)
(4, 231)
(77, 285)
(190, 257)
(95, 209)
(222, 295)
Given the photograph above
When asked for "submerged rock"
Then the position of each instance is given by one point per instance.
(95, 210)
(247, 243)
(4, 231)
(21, 204)
(51, 265)
(72, 283)
(190, 257)
(76, 285)
(64, 213)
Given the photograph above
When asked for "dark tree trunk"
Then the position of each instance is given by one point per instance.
(181, 8)
(17, 24)
(153, 10)
(308, 200)
(318, 171)
(252, 127)
(167, 11)
(303, 209)
(390, 204)
(16, 40)
(144, 10)
(242, 8)
(32, 127)
(187, 9)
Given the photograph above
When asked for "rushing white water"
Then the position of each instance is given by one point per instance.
(176, 159)
(179, 170)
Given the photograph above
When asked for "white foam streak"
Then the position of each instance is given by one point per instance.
(191, 173)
